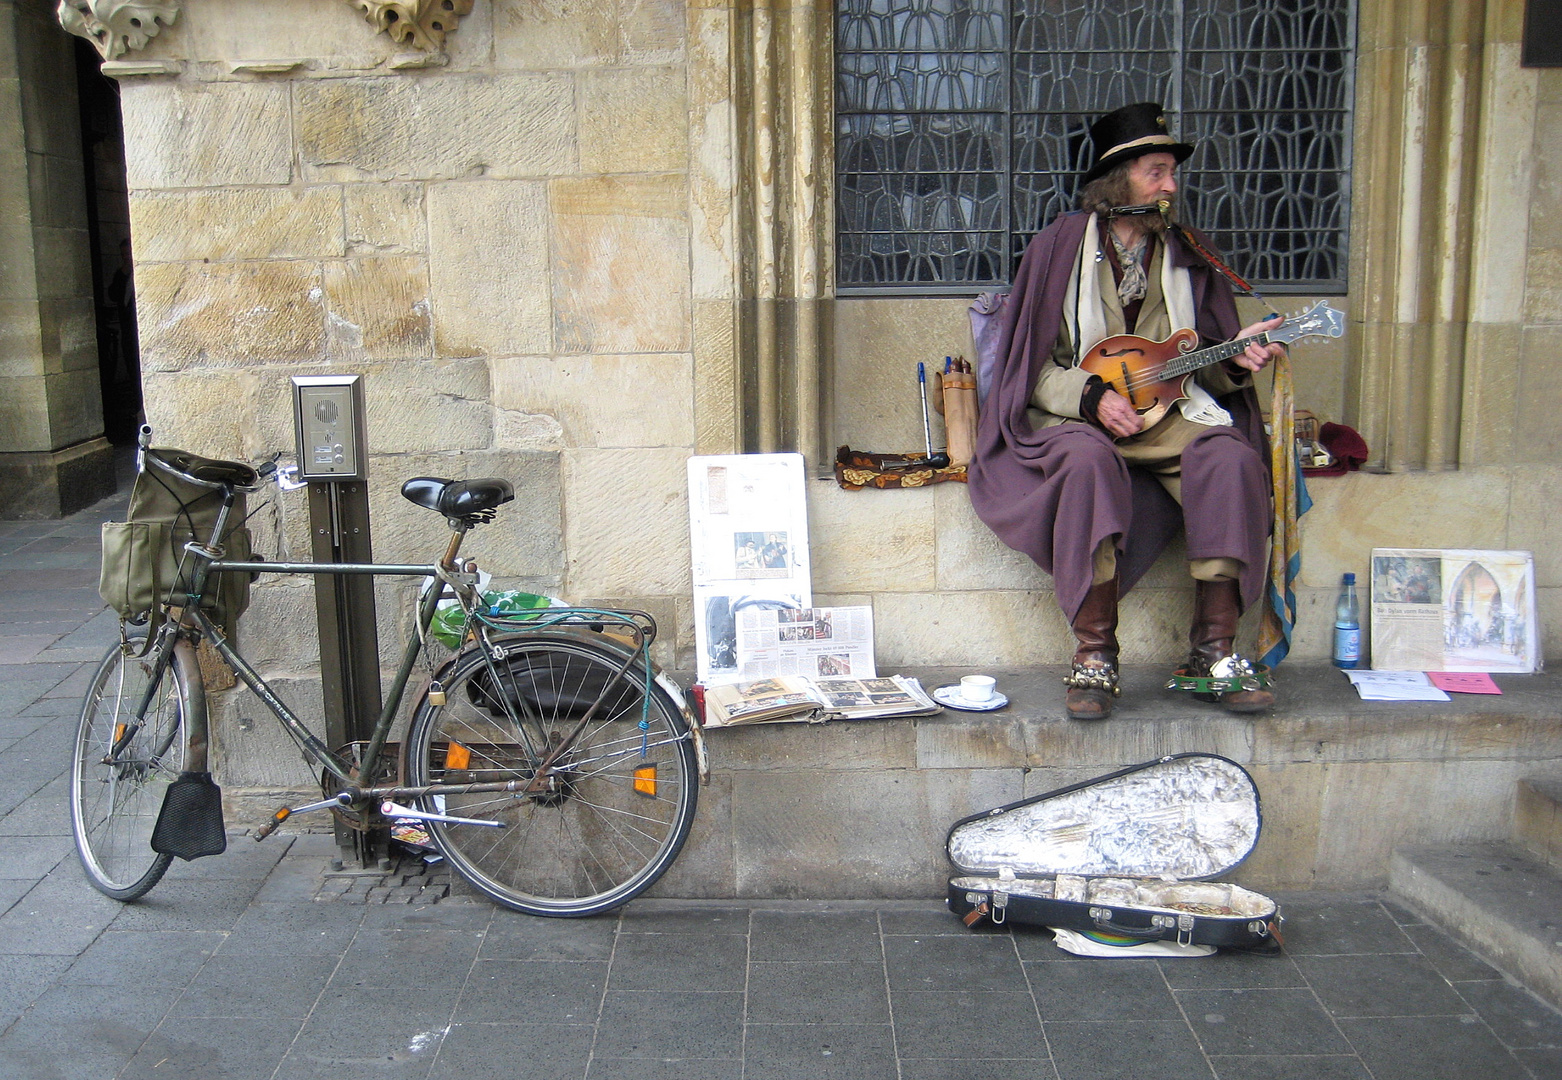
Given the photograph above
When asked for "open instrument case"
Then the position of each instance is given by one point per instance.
(1130, 854)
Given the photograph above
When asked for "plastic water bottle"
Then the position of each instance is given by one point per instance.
(1347, 626)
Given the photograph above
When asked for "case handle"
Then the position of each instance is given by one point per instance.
(1159, 924)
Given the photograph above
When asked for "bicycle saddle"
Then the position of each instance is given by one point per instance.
(202, 470)
(458, 498)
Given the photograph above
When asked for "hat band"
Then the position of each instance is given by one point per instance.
(1148, 140)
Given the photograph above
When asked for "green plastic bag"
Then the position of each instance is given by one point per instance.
(449, 625)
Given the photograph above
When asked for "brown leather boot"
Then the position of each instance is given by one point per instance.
(1217, 606)
(1093, 682)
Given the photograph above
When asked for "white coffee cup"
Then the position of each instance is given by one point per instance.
(977, 687)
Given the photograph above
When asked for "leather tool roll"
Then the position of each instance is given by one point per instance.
(958, 395)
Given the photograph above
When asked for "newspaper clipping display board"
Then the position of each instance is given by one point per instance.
(820, 643)
(1445, 609)
(748, 530)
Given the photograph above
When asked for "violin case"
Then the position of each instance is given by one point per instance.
(1130, 855)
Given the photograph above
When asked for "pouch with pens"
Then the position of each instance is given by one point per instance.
(956, 400)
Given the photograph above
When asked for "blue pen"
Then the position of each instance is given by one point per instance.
(940, 459)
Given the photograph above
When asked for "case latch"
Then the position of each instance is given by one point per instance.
(1184, 930)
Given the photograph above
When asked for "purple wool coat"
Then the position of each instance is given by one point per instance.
(1055, 493)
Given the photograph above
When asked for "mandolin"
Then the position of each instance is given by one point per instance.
(1152, 374)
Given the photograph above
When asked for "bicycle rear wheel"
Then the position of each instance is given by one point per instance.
(116, 796)
(613, 814)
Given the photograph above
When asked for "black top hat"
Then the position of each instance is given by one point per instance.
(1130, 132)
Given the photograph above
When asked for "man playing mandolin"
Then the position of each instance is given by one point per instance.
(1092, 450)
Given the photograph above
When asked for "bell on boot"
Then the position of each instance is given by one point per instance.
(1092, 684)
(1215, 671)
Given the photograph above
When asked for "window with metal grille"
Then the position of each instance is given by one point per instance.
(962, 127)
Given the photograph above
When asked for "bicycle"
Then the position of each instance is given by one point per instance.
(553, 765)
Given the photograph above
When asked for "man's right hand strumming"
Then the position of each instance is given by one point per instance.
(1117, 415)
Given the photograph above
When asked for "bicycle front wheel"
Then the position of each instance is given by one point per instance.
(122, 768)
(601, 825)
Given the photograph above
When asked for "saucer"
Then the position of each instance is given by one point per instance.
(950, 695)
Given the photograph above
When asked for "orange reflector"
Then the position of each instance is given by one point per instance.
(645, 779)
(119, 732)
(457, 757)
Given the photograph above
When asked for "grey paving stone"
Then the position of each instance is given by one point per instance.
(45, 813)
(1245, 1022)
(1008, 1027)
(279, 985)
(644, 1024)
(1298, 1067)
(841, 992)
(1542, 1064)
(1518, 1018)
(1321, 924)
(33, 857)
(979, 1069)
(167, 959)
(369, 1032)
(1420, 1047)
(427, 959)
(653, 917)
(824, 935)
(680, 962)
(247, 1048)
(819, 1052)
(1394, 985)
(189, 904)
(1452, 960)
(1231, 971)
(532, 992)
(952, 963)
(1036, 943)
(606, 1068)
(1099, 989)
(934, 920)
(23, 979)
(12, 891)
(244, 860)
(507, 1051)
(60, 916)
(547, 939)
(81, 1031)
(315, 928)
(1111, 1050)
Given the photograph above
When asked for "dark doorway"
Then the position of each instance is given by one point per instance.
(108, 225)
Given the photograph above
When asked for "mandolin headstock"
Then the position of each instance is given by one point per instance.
(1320, 320)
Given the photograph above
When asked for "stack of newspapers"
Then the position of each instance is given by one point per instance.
(798, 698)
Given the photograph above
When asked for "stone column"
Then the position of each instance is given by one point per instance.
(53, 457)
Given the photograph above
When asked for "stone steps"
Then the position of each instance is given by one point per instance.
(1495, 897)
(1537, 820)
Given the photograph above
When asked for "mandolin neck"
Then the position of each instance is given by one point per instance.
(1190, 362)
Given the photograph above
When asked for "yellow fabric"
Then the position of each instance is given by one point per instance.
(1285, 546)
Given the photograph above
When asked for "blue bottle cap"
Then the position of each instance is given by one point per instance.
(1350, 579)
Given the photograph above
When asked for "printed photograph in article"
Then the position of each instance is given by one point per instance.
(1453, 610)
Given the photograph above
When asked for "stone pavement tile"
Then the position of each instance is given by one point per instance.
(20, 726)
(1280, 1021)
(936, 919)
(20, 689)
(1452, 960)
(12, 891)
(24, 648)
(80, 1032)
(447, 915)
(1036, 943)
(1099, 989)
(15, 793)
(227, 1047)
(680, 962)
(428, 959)
(544, 939)
(1112, 1050)
(73, 684)
(925, 1025)
(39, 758)
(45, 813)
(33, 857)
(23, 979)
(280, 985)
(841, 992)
(64, 711)
(1423, 1047)
(650, 917)
(982, 1069)
(1296, 1067)
(605, 1068)
(951, 963)
(1231, 971)
(309, 928)
(166, 959)
(60, 916)
(190, 904)
(819, 1052)
(1517, 1017)
(1394, 985)
(509, 1051)
(244, 860)
(531, 991)
(822, 935)
(1542, 1064)
(1323, 924)
(357, 1032)
(681, 1024)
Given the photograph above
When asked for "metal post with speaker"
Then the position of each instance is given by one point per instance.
(329, 425)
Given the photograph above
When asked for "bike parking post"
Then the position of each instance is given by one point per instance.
(329, 424)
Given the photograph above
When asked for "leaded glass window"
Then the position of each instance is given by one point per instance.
(962, 125)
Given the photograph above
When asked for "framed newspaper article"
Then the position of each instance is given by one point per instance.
(1452, 609)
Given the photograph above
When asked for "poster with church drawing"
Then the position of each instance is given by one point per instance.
(1453, 610)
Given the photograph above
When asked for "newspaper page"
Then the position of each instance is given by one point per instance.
(1447, 609)
(862, 699)
(762, 701)
(748, 530)
(816, 642)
